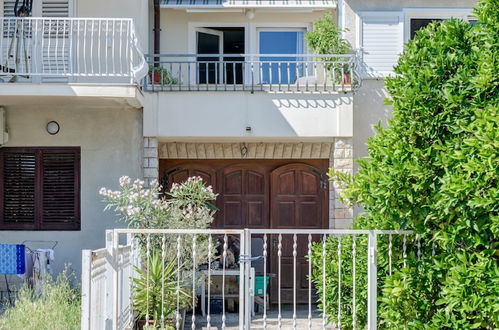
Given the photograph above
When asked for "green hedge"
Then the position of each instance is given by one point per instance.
(434, 168)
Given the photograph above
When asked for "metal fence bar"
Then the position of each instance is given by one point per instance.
(372, 279)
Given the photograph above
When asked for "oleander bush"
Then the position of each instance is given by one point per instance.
(434, 169)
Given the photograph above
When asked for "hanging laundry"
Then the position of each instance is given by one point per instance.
(12, 259)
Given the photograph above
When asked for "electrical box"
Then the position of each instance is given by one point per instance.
(4, 135)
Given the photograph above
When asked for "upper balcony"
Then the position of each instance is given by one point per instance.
(73, 50)
(252, 72)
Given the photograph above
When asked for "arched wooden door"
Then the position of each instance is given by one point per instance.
(297, 200)
(180, 173)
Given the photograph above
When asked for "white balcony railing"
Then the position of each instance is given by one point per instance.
(252, 72)
(81, 50)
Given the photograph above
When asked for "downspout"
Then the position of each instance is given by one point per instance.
(157, 30)
(341, 16)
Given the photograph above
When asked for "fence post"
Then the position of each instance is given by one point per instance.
(86, 269)
(372, 279)
(112, 283)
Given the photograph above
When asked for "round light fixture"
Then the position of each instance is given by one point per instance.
(250, 13)
(53, 127)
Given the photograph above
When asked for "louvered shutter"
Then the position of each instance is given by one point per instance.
(55, 55)
(60, 201)
(18, 174)
(381, 40)
(8, 8)
(41, 188)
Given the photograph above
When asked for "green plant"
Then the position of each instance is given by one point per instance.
(326, 283)
(165, 77)
(57, 307)
(155, 291)
(326, 38)
(435, 169)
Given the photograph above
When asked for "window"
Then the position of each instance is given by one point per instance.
(281, 43)
(381, 41)
(419, 23)
(40, 188)
(382, 34)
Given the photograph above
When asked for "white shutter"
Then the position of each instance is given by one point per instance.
(55, 55)
(8, 8)
(56, 8)
(381, 41)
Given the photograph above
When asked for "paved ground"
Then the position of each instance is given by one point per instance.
(232, 320)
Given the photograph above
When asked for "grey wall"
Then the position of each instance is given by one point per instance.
(111, 146)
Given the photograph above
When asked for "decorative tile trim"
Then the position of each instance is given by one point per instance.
(301, 150)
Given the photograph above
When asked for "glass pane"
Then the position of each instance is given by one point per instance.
(419, 23)
(208, 66)
(281, 69)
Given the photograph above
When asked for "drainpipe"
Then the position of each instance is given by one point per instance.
(341, 16)
(157, 30)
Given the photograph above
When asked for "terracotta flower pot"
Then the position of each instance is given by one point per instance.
(346, 79)
(142, 323)
(155, 77)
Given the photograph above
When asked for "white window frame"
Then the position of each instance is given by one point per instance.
(251, 34)
(195, 26)
(432, 13)
(256, 28)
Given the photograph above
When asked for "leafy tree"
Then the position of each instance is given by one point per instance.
(434, 169)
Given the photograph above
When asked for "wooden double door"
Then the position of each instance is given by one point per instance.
(260, 193)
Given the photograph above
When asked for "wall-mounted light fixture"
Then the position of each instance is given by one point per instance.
(53, 127)
(250, 13)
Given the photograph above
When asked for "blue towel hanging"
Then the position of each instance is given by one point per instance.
(12, 259)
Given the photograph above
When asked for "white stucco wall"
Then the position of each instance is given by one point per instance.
(111, 146)
(225, 115)
(138, 10)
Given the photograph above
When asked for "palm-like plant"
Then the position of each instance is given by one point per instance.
(155, 290)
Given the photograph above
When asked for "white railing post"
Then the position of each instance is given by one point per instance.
(244, 284)
(112, 284)
(86, 270)
(372, 279)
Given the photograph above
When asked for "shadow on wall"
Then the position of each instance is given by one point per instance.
(266, 114)
(368, 110)
(308, 103)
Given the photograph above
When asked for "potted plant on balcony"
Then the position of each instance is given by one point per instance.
(326, 39)
(160, 76)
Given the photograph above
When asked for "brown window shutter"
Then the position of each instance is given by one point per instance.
(18, 169)
(60, 201)
(41, 188)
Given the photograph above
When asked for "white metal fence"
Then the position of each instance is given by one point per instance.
(289, 257)
(36, 49)
(252, 72)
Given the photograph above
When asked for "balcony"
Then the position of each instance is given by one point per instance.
(303, 73)
(70, 50)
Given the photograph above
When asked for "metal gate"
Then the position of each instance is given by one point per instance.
(108, 286)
